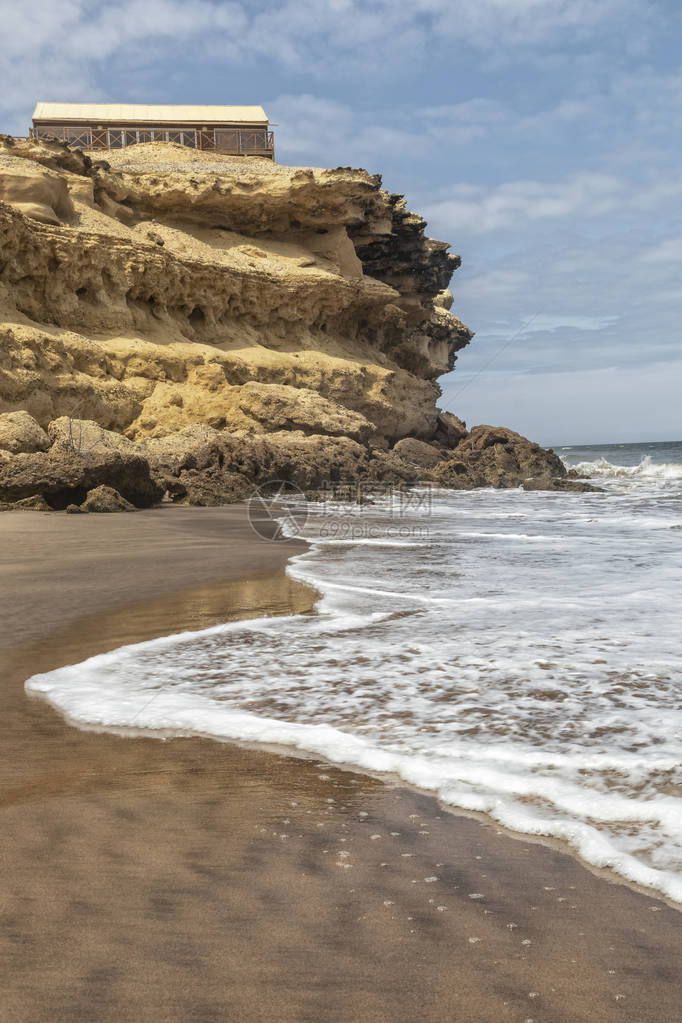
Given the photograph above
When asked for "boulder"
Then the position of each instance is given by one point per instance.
(450, 430)
(418, 452)
(63, 477)
(36, 192)
(20, 432)
(196, 447)
(313, 461)
(204, 466)
(494, 456)
(35, 503)
(388, 467)
(564, 484)
(84, 435)
(281, 407)
(105, 499)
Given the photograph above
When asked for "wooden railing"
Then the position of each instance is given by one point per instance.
(233, 141)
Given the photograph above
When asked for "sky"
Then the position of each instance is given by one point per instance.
(541, 138)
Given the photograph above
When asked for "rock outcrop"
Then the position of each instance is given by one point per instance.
(64, 476)
(105, 499)
(494, 456)
(19, 432)
(212, 321)
(561, 484)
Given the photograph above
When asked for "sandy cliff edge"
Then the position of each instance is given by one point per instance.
(229, 321)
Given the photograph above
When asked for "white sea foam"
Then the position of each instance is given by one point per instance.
(524, 660)
(81, 692)
(647, 470)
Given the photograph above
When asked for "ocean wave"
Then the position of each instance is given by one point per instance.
(647, 469)
(462, 779)
(523, 663)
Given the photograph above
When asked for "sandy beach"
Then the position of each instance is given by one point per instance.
(188, 879)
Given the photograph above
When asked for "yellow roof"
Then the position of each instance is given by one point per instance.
(124, 113)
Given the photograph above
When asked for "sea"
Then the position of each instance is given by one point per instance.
(515, 654)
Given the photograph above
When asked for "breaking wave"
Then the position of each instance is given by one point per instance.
(521, 657)
(646, 470)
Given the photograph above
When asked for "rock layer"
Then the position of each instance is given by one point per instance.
(64, 477)
(228, 320)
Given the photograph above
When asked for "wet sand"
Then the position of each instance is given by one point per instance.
(192, 880)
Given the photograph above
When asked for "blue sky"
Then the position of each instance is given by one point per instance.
(540, 137)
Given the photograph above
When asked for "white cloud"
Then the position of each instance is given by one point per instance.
(664, 253)
(477, 210)
(523, 22)
(328, 132)
(596, 302)
(56, 46)
(556, 322)
(294, 29)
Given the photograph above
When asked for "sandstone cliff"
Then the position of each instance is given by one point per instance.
(229, 320)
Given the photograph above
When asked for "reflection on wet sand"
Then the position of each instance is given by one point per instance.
(189, 879)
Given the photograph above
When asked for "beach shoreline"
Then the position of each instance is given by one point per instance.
(189, 879)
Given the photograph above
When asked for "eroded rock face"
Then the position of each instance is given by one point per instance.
(37, 192)
(105, 499)
(20, 432)
(189, 323)
(201, 275)
(208, 467)
(450, 430)
(417, 452)
(548, 482)
(62, 477)
(282, 407)
(35, 503)
(493, 456)
(83, 436)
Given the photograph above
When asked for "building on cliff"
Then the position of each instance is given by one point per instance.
(238, 131)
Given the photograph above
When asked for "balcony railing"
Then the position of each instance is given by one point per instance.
(233, 141)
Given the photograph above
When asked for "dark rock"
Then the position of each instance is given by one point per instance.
(106, 499)
(35, 503)
(418, 452)
(497, 457)
(564, 484)
(388, 467)
(207, 489)
(450, 430)
(405, 252)
(64, 477)
(204, 466)
(200, 465)
(419, 269)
